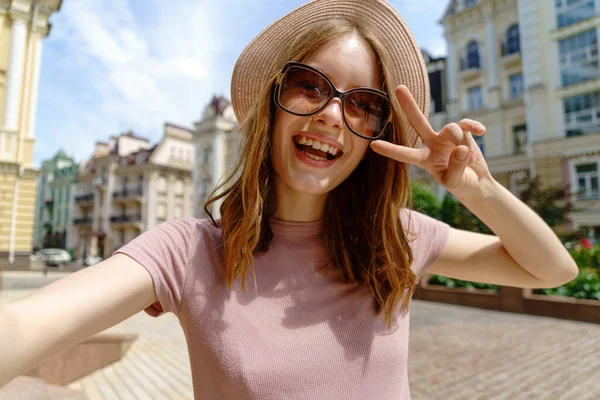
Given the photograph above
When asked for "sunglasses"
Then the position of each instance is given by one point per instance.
(303, 90)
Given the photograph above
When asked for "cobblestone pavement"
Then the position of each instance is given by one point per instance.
(455, 353)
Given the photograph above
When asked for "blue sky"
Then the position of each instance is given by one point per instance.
(110, 66)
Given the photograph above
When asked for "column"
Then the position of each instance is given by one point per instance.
(218, 168)
(451, 79)
(493, 97)
(16, 66)
(35, 83)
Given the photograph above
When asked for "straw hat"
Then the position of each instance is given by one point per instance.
(406, 62)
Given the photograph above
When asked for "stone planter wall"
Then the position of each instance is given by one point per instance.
(512, 300)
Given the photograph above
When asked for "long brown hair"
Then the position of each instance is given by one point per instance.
(363, 232)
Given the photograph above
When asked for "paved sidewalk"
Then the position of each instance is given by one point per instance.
(455, 353)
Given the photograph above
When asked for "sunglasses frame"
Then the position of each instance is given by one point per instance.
(335, 93)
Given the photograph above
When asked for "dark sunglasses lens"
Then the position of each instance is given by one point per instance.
(366, 112)
(303, 91)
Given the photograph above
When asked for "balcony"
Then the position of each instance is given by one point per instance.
(85, 199)
(82, 221)
(128, 194)
(470, 66)
(582, 122)
(511, 52)
(126, 220)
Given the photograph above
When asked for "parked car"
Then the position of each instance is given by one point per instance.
(52, 257)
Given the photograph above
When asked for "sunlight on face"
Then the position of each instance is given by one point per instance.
(349, 62)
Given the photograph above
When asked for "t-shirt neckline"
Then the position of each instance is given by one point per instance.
(295, 228)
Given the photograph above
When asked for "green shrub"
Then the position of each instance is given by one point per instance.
(457, 283)
(424, 201)
(585, 286)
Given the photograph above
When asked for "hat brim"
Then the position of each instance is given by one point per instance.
(406, 64)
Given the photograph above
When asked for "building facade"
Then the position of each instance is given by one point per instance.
(436, 68)
(529, 71)
(217, 143)
(128, 187)
(54, 203)
(23, 27)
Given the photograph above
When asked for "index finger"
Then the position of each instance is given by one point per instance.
(415, 117)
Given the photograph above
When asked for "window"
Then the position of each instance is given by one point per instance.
(472, 58)
(475, 98)
(178, 211)
(511, 44)
(204, 185)
(162, 184)
(579, 57)
(179, 187)
(479, 141)
(587, 180)
(206, 155)
(161, 211)
(516, 86)
(582, 114)
(571, 11)
(517, 182)
(470, 3)
(519, 138)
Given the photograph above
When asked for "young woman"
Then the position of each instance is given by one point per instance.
(332, 99)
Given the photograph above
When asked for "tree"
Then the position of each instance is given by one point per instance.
(424, 201)
(551, 203)
(450, 210)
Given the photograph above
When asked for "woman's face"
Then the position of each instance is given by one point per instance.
(349, 62)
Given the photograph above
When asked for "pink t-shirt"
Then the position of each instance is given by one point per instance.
(301, 335)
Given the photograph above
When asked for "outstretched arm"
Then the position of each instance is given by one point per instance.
(70, 310)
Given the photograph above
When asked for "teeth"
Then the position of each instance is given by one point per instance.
(315, 144)
(315, 157)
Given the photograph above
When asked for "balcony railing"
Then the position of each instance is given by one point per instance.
(115, 219)
(510, 46)
(584, 121)
(84, 198)
(470, 62)
(128, 192)
(82, 221)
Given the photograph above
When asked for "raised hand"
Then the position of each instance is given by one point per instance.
(451, 157)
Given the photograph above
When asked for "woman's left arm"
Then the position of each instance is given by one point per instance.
(525, 252)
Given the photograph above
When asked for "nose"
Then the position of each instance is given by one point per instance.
(331, 115)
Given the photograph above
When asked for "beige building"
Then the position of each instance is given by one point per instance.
(129, 186)
(217, 142)
(23, 27)
(529, 71)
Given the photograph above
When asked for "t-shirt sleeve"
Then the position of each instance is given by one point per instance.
(165, 253)
(427, 237)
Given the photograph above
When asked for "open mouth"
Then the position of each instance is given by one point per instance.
(316, 150)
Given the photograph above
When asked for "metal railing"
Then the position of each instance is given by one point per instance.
(84, 197)
(115, 219)
(82, 221)
(128, 192)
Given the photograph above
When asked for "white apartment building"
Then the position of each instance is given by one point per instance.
(128, 187)
(529, 71)
(217, 142)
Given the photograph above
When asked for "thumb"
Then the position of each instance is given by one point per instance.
(459, 159)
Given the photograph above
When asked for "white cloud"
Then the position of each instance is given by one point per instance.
(136, 76)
